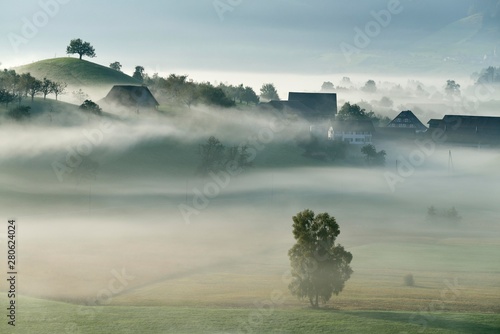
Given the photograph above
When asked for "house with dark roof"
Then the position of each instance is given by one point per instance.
(405, 126)
(324, 104)
(314, 107)
(474, 130)
(358, 132)
(131, 97)
(407, 120)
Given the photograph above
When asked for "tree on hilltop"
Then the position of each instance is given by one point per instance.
(77, 46)
(116, 66)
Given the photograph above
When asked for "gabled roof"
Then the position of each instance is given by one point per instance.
(468, 129)
(476, 122)
(323, 103)
(131, 97)
(407, 119)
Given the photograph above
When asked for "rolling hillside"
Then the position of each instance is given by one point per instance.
(77, 73)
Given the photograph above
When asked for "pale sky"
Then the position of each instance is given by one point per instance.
(292, 37)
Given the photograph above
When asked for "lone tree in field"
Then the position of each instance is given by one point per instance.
(320, 268)
(77, 46)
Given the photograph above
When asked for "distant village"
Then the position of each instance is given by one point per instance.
(320, 109)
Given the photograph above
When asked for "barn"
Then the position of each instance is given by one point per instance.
(131, 97)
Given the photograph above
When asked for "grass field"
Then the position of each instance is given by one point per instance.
(42, 317)
(94, 79)
(226, 269)
(75, 72)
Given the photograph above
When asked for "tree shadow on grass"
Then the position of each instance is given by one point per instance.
(459, 323)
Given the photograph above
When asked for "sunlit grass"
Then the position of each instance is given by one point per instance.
(38, 316)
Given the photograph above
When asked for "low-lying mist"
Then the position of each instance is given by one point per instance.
(112, 193)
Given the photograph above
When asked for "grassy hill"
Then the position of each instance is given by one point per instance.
(77, 73)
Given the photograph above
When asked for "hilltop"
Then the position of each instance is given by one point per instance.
(77, 73)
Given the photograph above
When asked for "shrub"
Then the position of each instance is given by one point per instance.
(19, 113)
(409, 280)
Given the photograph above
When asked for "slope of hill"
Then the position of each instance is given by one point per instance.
(77, 73)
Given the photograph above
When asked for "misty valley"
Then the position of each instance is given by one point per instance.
(298, 188)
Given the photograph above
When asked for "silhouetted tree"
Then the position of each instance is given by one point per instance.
(58, 88)
(320, 267)
(19, 113)
(327, 86)
(91, 107)
(212, 156)
(269, 92)
(46, 87)
(452, 88)
(350, 112)
(370, 87)
(77, 46)
(32, 86)
(6, 97)
(248, 95)
(116, 66)
(211, 95)
(139, 73)
(372, 157)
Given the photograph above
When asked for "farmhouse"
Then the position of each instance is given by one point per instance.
(314, 107)
(131, 97)
(324, 104)
(407, 120)
(474, 130)
(352, 132)
(405, 126)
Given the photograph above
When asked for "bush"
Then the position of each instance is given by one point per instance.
(409, 280)
(20, 113)
(91, 107)
(443, 216)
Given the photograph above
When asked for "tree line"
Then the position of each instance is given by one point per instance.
(14, 87)
(182, 90)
